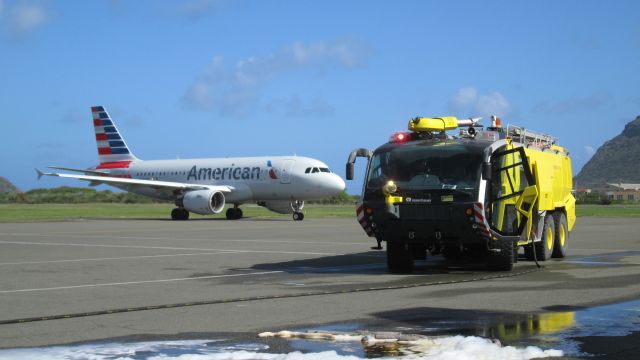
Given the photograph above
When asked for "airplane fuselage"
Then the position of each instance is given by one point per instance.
(252, 178)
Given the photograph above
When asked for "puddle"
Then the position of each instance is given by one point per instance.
(452, 334)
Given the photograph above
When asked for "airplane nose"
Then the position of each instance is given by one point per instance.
(338, 184)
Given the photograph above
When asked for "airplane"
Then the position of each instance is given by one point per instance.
(204, 186)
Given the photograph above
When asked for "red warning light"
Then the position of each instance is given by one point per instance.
(399, 137)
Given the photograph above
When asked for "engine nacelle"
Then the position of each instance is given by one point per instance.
(203, 202)
(281, 207)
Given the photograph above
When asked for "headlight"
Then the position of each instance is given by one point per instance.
(390, 187)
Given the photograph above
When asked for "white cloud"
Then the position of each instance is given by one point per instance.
(589, 150)
(224, 87)
(469, 102)
(25, 16)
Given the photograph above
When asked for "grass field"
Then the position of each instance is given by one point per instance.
(61, 212)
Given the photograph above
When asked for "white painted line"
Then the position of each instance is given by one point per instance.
(137, 282)
(230, 251)
(192, 239)
(109, 258)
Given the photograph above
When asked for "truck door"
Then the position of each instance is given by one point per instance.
(512, 192)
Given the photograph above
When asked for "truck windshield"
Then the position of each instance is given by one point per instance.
(422, 166)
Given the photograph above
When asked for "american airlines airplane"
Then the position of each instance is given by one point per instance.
(203, 186)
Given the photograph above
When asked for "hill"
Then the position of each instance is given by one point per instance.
(7, 187)
(617, 161)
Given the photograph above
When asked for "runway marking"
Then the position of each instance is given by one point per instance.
(109, 258)
(172, 248)
(137, 282)
(194, 239)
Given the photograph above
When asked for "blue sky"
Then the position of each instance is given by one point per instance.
(206, 78)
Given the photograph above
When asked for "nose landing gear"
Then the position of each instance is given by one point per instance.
(296, 206)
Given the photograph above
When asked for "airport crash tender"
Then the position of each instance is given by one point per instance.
(482, 194)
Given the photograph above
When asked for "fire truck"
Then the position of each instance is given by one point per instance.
(482, 193)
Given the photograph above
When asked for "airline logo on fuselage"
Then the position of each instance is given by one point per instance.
(225, 173)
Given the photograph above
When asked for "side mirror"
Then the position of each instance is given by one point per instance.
(349, 171)
(486, 171)
(352, 159)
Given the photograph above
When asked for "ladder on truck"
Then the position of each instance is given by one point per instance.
(530, 137)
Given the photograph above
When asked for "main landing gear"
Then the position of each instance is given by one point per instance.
(179, 213)
(234, 213)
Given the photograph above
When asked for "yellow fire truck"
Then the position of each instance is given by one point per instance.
(483, 193)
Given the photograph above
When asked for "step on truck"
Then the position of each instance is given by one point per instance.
(481, 194)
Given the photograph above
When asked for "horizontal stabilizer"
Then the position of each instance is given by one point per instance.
(85, 171)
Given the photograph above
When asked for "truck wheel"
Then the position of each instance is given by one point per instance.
(399, 257)
(561, 235)
(501, 260)
(544, 248)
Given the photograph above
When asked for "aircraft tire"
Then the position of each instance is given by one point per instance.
(298, 216)
(179, 214)
(233, 213)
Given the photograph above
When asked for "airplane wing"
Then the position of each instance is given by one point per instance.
(156, 184)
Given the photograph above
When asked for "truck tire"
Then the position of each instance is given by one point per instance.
(502, 258)
(561, 235)
(544, 247)
(399, 257)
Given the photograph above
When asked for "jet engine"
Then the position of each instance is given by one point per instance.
(282, 207)
(203, 202)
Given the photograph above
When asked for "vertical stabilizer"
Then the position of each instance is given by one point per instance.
(111, 146)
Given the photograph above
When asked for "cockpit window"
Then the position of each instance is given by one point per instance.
(326, 170)
(315, 170)
(308, 170)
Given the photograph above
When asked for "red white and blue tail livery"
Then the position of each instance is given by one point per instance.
(111, 146)
(204, 186)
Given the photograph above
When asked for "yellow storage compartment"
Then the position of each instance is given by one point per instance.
(421, 124)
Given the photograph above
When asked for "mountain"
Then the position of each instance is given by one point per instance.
(6, 186)
(617, 161)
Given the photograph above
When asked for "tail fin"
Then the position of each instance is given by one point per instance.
(111, 146)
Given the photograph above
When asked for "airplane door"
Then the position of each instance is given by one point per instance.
(287, 166)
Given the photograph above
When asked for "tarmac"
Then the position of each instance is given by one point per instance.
(95, 280)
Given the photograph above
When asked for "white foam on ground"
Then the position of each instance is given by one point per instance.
(441, 348)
